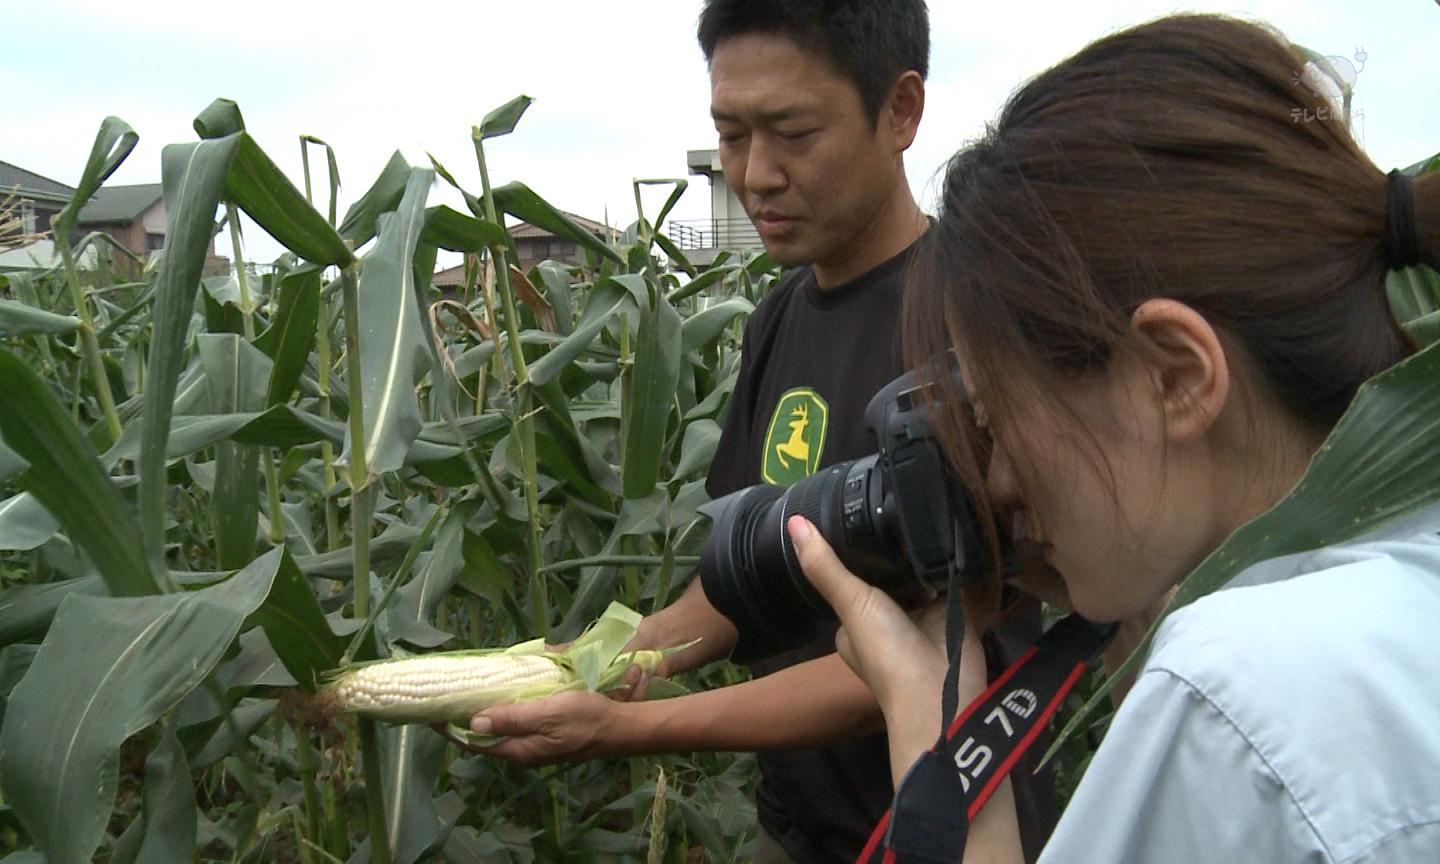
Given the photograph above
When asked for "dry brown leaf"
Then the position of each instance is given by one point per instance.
(544, 313)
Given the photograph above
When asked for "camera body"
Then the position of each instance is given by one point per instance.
(897, 518)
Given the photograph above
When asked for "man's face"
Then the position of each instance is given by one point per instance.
(798, 149)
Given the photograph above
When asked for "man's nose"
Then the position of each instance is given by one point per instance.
(763, 172)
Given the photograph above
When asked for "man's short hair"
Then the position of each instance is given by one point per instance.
(871, 42)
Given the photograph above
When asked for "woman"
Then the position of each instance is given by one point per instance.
(1163, 274)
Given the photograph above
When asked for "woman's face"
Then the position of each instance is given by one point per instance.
(1121, 512)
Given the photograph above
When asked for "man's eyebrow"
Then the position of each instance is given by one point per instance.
(769, 116)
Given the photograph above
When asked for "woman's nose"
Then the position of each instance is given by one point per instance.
(1000, 478)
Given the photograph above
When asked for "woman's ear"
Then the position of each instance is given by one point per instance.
(1187, 366)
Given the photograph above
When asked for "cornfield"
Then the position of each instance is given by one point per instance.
(216, 488)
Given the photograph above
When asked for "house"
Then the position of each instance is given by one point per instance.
(133, 215)
(37, 199)
(728, 228)
(534, 244)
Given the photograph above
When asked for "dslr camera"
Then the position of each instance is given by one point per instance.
(897, 518)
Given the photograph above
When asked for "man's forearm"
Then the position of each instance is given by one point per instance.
(810, 704)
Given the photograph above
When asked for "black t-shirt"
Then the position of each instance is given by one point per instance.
(814, 357)
(811, 361)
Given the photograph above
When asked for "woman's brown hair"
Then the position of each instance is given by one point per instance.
(1185, 158)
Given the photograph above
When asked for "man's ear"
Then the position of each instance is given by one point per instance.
(902, 110)
(1186, 363)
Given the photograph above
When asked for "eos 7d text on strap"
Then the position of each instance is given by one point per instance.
(940, 795)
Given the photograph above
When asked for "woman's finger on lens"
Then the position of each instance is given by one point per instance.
(840, 588)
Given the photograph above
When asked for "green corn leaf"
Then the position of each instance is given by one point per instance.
(713, 276)
(412, 757)
(168, 817)
(258, 186)
(113, 142)
(124, 661)
(237, 375)
(15, 660)
(679, 184)
(11, 465)
(27, 610)
(25, 524)
(66, 477)
(334, 169)
(570, 467)
(387, 549)
(360, 224)
(450, 229)
(702, 328)
(1425, 330)
(597, 585)
(296, 627)
(558, 291)
(194, 178)
(290, 338)
(220, 118)
(673, 252)
(281, 426)
(422, 595)
(390, 337)
(234, 733)
(651, 396)
(18, 319)
(697, 448)
(476, 206)
(560, 358)
(502, 120)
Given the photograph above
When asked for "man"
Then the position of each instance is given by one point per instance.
(815, 104)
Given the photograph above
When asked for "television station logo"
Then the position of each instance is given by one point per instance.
(1330, 77)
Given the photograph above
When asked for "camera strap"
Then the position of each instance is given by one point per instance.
(977, 750)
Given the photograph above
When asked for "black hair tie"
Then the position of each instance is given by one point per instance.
(1401, 248)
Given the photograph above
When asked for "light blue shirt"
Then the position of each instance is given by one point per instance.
(1292, 716)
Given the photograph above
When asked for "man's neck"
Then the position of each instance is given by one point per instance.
(899, 224)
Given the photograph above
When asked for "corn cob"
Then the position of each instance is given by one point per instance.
(451, 687)
(444, 687)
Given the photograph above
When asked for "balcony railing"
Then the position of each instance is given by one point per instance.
(691, 234)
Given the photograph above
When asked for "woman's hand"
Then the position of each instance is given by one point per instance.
(900, 658)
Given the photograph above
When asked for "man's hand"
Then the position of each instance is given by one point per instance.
(576, 726)
(689, 618)
(566, 727)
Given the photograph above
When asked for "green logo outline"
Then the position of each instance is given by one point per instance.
(795, 453)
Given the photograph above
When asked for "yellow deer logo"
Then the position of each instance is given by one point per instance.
(795, 439)
(796, 447)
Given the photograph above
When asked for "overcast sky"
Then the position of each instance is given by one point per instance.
(620, 87)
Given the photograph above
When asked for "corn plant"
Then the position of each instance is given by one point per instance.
(214, 489)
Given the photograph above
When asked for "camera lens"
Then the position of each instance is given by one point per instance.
(898, 519)
(749, 567)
